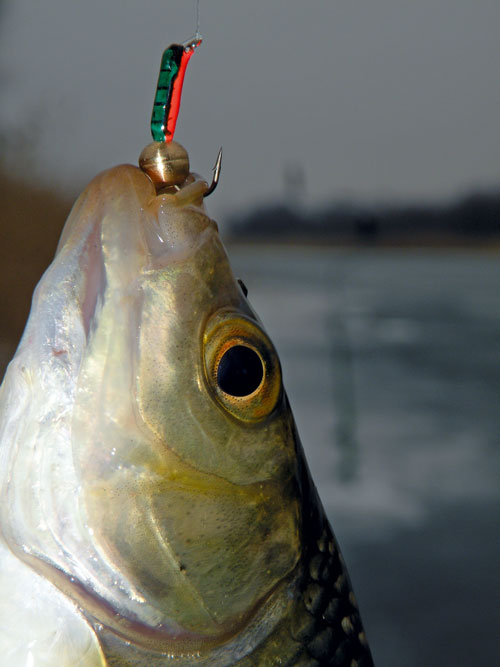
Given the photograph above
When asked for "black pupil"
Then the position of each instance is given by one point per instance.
(240, 371)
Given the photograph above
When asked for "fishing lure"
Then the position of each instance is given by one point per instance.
(167, 101)
(165, 161)
(155, 501)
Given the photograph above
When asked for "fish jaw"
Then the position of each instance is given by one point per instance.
(127, 484)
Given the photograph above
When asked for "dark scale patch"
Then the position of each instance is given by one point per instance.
(302, 625)
(316, 566)
(341, 585)
(343, 654)
(326, 621)
(314, 598)
(335, 630)
(322, 643)
(335, 609)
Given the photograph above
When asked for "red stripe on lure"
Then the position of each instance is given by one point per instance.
(169, 88)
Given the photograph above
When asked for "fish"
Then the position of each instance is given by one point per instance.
(156, 504)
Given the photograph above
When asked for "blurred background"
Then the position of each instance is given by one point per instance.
(360, 204)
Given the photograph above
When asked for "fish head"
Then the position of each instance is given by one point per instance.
(150, 468)
(160, 486)
(188, 468)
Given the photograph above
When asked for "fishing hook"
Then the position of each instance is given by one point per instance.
(215, 179)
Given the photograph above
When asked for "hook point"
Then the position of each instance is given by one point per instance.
(216, 176)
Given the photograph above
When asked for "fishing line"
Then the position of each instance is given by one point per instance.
(197, 18)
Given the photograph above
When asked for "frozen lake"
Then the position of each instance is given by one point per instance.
(392, 364)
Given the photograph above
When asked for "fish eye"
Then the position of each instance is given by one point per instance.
(240, 371)
(241, 366)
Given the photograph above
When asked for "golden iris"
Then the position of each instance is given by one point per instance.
(241, 366)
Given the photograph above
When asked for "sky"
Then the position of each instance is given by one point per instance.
(373, 100)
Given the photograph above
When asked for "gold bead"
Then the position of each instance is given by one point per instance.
(165, 163)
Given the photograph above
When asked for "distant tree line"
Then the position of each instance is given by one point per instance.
(474, 217)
